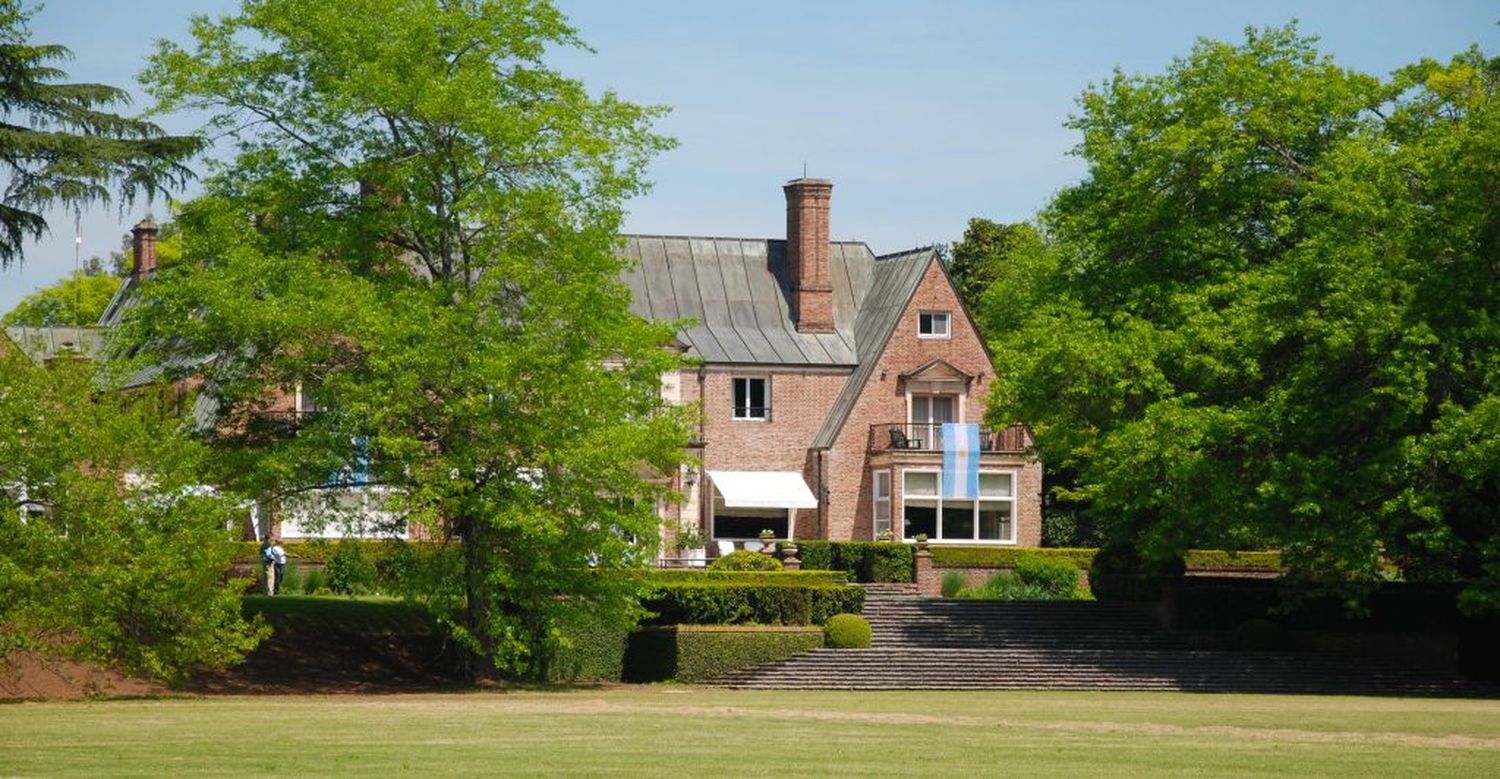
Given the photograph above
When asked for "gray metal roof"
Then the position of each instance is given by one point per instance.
(736, 292)
(896, 277)
(44, 343)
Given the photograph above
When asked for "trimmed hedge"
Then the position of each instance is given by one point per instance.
(729, 603)
(786, 578)
(695, 653)
(866, 561)
(848, 631)
(596, 653)
(745, 560)
(1006, 556)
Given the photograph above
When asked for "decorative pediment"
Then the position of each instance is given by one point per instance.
(936, 375)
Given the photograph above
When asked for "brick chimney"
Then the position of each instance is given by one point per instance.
(807, 253)
(143, 244)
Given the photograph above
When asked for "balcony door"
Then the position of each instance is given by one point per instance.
(928, 413)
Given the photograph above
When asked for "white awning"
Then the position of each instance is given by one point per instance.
(763, 489)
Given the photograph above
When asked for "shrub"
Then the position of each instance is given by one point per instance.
(725, 603)
(312, 583)
(746, 560)
(954, 583)
(866, 561)
(1067, 528)
(694, 653)
(847, 631)
(659, 575)
(1059, 579)
(350, 570)
(1119, 573)
(1218, 560)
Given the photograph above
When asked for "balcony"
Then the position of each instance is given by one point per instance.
(928, 437)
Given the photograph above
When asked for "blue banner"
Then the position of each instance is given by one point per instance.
(961, 460)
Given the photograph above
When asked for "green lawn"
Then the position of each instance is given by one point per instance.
(696, 731)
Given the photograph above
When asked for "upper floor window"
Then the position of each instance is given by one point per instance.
(752, 398)
(934, 324)
(304, 402)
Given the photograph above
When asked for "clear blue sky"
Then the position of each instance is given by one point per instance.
(924, 112)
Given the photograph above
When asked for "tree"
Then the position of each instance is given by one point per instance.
(421, 223)
(77, 300)
(109, 549)
(990, 251)
(62, 147)
(1263, 325)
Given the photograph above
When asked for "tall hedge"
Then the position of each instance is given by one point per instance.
(866, 561)
(695, 653)
(727, 603)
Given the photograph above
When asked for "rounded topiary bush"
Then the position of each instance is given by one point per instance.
(847, 631)
(745, 560)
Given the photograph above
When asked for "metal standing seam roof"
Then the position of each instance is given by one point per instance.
(736, 292)
(44, 343)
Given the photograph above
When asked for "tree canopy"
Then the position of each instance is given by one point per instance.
(78, 300)
(61, 146)
(1268, 315)
(419, 224)
(110, 550)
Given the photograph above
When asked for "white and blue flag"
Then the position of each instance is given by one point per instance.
(960, 460)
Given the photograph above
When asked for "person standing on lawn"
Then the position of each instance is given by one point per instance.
(278, 556)
(268, 562)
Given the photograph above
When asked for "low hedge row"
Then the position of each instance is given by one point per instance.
(695, 653)
(866, 561)
(730, 603)
(1006, 556)
(595, 653)
(320, 549)
(794, 578)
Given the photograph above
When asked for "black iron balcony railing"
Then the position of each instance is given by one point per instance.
(928, 437)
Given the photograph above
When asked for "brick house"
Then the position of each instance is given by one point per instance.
(826, 376)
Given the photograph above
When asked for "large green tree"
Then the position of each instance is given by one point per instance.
(420, 223)
(61, 146)
(78, 299)
(110, 548)
(1270, 318)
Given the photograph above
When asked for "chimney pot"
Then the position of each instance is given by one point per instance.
(807, 253)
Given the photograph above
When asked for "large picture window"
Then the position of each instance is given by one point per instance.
(989, 518)
(752, 398)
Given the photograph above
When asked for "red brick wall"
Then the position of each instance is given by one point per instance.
(848, 510)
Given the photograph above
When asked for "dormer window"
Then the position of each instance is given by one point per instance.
(934, 324)
(752, 398)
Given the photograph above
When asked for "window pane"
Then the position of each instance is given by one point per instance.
(924, 324)
(939, 324)
(741, 397)
(732, 526)
(994, 485)
(919, 408)
(994, 521)
(958, 519)
(921, 483)
(882, 484)
(942, 408)
(757, 394)
(920, 520)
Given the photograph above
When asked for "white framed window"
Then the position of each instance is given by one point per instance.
(881, 492)
(752, 398)
(934, 324)
(988, 518)
(304, 401)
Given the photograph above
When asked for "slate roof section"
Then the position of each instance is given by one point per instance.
(896, 277)
(44, 343)
(737, 291)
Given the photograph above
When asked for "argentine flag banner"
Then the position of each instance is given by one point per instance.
(960, 460)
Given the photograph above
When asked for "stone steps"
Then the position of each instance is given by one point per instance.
(937, 644)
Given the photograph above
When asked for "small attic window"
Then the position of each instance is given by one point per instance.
(934, 324)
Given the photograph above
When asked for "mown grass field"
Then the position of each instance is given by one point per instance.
(707, 732)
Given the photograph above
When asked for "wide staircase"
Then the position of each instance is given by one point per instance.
(930, 643)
